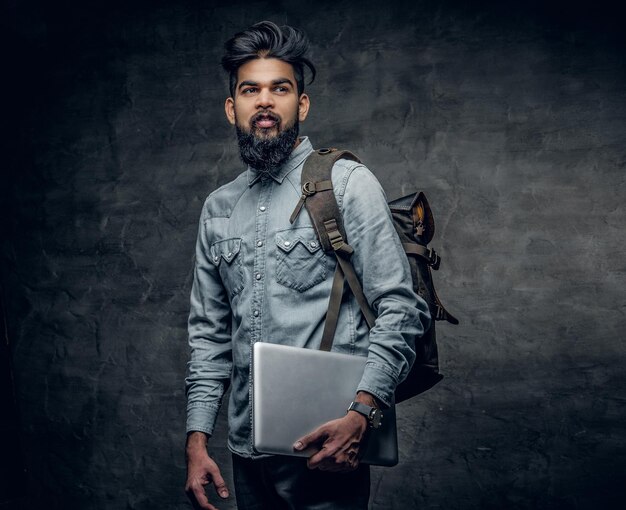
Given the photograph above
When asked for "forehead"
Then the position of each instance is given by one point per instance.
(265, 70)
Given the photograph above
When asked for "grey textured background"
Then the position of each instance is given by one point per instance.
(512, 118)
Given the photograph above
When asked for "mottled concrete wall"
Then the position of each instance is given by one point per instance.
(513, 121)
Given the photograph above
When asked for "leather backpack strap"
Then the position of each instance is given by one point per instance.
(429, 256)
(321, 204)
(332, 315)
(343, 272)
(344, 251)
(317, 192)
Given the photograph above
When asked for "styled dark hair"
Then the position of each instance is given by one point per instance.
(267, 40)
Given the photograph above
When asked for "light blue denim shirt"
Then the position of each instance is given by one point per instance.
(260, 279)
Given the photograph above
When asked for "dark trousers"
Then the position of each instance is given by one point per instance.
(285, 483)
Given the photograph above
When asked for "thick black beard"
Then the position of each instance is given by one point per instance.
(265, 154)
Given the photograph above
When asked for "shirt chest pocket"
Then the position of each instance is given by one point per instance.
(300, 261)
(226, 256)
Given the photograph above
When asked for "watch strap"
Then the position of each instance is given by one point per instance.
(372, 414)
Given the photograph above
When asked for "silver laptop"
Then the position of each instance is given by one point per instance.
(296, 390)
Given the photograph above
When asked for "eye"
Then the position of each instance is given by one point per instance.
(281, 89)
(249, 90)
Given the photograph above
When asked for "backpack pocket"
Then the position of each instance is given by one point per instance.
(300, 261)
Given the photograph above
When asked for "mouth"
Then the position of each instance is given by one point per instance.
(265, 120)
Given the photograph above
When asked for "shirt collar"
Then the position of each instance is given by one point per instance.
(297, 156)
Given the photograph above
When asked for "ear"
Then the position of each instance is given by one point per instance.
(303, 107)
(229, 109)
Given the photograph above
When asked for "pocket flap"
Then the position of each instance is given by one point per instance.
(288, 239)
(226, 249)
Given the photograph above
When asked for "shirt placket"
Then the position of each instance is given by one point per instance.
(258, 272)
(258, 277)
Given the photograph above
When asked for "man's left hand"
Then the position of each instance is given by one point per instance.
(338, 443)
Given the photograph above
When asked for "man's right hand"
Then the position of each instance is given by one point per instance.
(202, 470)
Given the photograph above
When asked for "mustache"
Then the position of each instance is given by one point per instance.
(265, 115)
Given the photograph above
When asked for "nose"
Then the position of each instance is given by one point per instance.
(264, 99)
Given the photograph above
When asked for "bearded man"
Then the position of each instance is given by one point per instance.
(259, 278)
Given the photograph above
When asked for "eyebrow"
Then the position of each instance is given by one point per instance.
(277, 81)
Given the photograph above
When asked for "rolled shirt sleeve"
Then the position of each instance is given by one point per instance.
(381, 264)
(209, 327)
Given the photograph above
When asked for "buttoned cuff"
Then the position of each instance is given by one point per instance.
(201, 417)
(379, 380)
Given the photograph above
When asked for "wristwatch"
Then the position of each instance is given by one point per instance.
(374, 415)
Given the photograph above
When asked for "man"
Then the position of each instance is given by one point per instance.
(259, 278)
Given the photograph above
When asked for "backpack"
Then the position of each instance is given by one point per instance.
(414, 223)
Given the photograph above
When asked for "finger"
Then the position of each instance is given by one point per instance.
(339, 467)
(326, 456)
(352, 456)
(329, 467)
(199, 499)
(220, 485)
(317, 460)
(316, 436)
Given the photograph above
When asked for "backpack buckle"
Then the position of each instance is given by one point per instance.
(434, 260)
(440, 314)
(308, 188)
(336, 239)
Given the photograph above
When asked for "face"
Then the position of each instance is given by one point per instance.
(266, 99)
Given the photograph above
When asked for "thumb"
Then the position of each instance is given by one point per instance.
(314, 437)
(220, 485)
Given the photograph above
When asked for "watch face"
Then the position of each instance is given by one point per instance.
(375, 418)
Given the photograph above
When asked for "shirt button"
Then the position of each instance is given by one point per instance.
(262, 208)
(259, 243)
(215, 259)
(258, 276)
(313, 244)
(287, 243)
(255, 313)
(230, 254)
